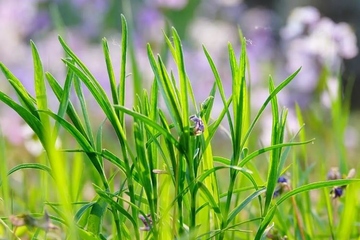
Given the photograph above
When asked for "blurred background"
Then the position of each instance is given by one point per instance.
(319, 36)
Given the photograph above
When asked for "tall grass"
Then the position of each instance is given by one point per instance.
(163, 181)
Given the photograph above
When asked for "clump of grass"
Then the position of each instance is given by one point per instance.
(163, 182)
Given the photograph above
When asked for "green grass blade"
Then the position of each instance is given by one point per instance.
(313, 186)
(5, 187)
(211, 183)
(114, 160)
(145, 168)
(235, 84)
(275, 153)
(65, 97)
(169, 45)
(25, 98)
(171, 150)
(208, 172)
(109, 199)
(83, 142)
(99, 94)
(242, 205)
(99, 139)
(226, 103)
(270, 148)
(110, 71)
(83, 213)
(40, 92)
(240, 117)
(240, 103)
(149, 122)
(154, 101)
(30, 166)
(272, 94)
(55, 158)
(94, 222)
(84, 110)
(209, 197)
(124, 45)
(33, 122)
(167, 88)
(349, 217)
(71, 113)
(265, 223)
(185, 85)
(95, 88)
(286, 151)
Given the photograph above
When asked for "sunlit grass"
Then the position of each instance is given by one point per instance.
(163, 180)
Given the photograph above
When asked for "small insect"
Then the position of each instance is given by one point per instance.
(248, 41)
(337, 192)
(282, 186)
(198, 128)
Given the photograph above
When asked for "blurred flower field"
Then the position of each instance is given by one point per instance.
(176, 120)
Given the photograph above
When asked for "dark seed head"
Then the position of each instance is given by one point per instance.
(282, 180)
(337, 192)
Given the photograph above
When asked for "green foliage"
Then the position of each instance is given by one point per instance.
(162, 180)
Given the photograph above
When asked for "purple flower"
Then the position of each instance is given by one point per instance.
(314, 43)
(333, 174)
(300, 21)
(173, 4)
(283, 186)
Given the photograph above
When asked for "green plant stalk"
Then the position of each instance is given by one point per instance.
(330, 213)
(187, 159)
(130, 183)
(276, 138)
(165, 229)
(349, 216)
(142, 166)
(176, 173)
(70, 110)
(101, 97)
(293, 192)
(84, 111)
(128, 171)
(307, 215)
(41, 100)
(177, 102)
(237, 199)
(340, 110)
(240, 101)
(179, 188)
(210, 183)
(193, 191)
(4, 185)
(151, 152)
(55, 159)
(118, 94)
(202, 215)
(300, 225)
